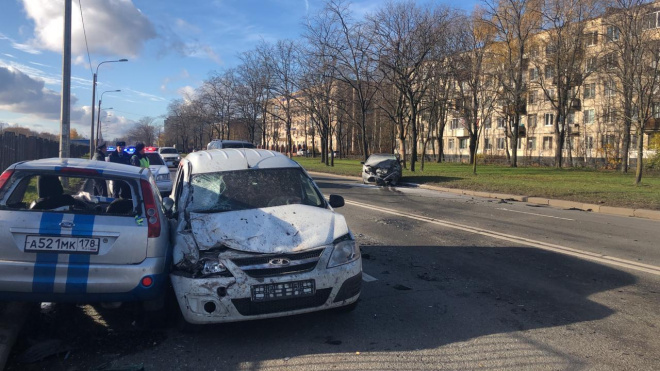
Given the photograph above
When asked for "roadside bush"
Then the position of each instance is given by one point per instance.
(653, 162)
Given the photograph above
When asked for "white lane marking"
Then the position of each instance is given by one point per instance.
(524, 212)
(368, 278)
(520, 240)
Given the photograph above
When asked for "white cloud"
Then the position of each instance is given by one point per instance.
(112, 27)
(21, 93)
(186, 92)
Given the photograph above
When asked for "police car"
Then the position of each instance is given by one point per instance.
(160, 170)
(64, 238)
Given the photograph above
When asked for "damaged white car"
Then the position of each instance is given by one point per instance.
(254, 238)
(382, 169)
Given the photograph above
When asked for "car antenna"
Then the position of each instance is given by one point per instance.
(247, 163)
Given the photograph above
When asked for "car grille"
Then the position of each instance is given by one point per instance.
(260, 266)
(247, 307)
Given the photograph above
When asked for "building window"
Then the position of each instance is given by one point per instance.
(549, 94)
(589, 116)
(487, 144)
(533, 74)
(589, 143)
(450, 144)
(500, 123)
(487, 123)
(547, 142)
(462, 143)
(610, 88)
(531, 121)
(656, 110)
(500, 143)
(608, 140)
(613, 33)
(633, 141)
(454, 124)
(589, 90)
(532, 96)
(591, 38)
(570, 118)
(610, 60)
(549, 72)
(610, 115)
(650, 20)
(591, 64)
(531, 143)
(549, 119)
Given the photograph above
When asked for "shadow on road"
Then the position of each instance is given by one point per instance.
(430, 301)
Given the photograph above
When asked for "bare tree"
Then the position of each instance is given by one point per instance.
(349, 44)
(516, 21)
(144, 131)
(563, 67)
(406, 35)
(282, 62)
(252, 93)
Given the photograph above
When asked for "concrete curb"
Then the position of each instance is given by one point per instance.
(560, 204)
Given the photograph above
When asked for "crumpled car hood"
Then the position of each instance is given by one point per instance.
(268, 230)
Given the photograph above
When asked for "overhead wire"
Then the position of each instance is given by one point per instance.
(82, 19)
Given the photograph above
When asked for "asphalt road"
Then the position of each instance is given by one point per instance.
(452, 282)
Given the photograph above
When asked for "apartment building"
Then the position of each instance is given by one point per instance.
(594, 130)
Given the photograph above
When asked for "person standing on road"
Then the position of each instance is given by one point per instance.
(119, 156)
(119, 188)
(100, 152)
(100, 187)
(138, 158)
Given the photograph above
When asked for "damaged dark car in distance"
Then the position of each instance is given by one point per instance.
(382, 169)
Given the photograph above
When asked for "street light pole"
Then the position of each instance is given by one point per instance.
(92, 144)
(98, 123)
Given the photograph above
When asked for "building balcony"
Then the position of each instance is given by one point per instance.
(522, 132)
(461, 133)
(573, 129)
(652, 125)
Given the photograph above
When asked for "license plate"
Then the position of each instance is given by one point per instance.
(284, 290)
(61, 244)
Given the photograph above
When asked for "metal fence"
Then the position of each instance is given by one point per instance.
(15, 148)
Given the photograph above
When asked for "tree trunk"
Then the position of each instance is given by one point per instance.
(640, 156)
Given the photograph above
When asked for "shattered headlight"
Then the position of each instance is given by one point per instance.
(213, 267)
(344, 252)
(367, 169)
(163, 177)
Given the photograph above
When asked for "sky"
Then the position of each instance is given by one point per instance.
(172, 46)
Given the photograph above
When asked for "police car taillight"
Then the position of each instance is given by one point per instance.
(4, 177)
(153, 220)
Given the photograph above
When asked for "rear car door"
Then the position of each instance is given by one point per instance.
(53, 250)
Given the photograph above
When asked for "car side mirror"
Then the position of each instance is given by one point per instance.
(336, 201)
(361, 162)
(168, 204)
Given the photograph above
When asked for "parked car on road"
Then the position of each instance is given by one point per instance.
(256, 239)
(161, 172)
(220, 144)
(60, 241)
(170, 155)
(382, 169)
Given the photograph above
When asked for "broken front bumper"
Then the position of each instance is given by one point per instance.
(251, 296)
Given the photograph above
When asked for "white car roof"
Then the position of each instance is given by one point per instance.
(215, 160)
(77, 163)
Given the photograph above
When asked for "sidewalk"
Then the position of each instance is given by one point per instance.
(560, 204)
